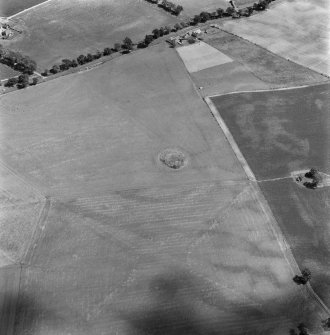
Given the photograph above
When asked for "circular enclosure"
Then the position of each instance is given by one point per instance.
(172, 158)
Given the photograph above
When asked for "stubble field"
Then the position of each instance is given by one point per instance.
(298, 30)
(130, 246)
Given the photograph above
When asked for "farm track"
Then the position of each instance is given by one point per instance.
(286, 250)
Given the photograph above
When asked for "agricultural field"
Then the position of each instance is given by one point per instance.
(129, 245)
(67, 126)
(65, 29)
(193, 7)
(273, 70)
(303, 216)
(291, 37)
(200, 56)
(191, 259)
(11, 7)
(280, 131)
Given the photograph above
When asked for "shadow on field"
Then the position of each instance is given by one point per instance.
(181, 303)
(18, 316)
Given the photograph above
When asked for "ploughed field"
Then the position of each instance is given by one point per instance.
(11, 7)
(127, 245)
(279, 132)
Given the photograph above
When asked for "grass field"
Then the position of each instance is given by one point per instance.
(280, 131)
(11, 7)
(291, 37)
(131, 247)
(66, 29)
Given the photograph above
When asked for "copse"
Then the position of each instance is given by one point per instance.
(17, 61)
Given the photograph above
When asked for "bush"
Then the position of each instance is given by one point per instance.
(107, 52)
(45, 73)
(11, 82)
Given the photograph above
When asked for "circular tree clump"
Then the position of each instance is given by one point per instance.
(173, 159)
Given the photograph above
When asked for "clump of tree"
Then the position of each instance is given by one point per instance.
(315, 176)
(11, 82)
(305, 277)
(326, 324)
(171, 7)
(301, 328)
(23, 81)
(17, 61)
(127, 44)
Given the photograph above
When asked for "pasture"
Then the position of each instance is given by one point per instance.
(129, 245)
(291, 37)
(280, 131)
(65, 29)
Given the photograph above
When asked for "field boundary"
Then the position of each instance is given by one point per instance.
(250, 175)
(258, 195)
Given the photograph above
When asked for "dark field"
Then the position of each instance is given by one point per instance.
(280, 131)
(11, 7)
(304, 218)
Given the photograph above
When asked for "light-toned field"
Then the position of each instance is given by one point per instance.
(131, 247)
(273, 70)
(193, 7)
(298, 30)
(65, 29)
(200, 56)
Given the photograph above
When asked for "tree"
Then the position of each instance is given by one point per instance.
(307, 274)
(81, 59)
(177, 26)
(148, 39)
(156, 33)
(89, 58)
(11, 82)
(23, 81)
(302, 329)
(117, 47)
(204, 16)
(55, 69)
(35, 81)
(196, 19)
(220, 12)
(230, 11)
(127, 44)
(45, 73)
(107, 52)
(161, 31)
(98, 54)
(74, 63)
(142, 45)
(178, 9)
(66, 64)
